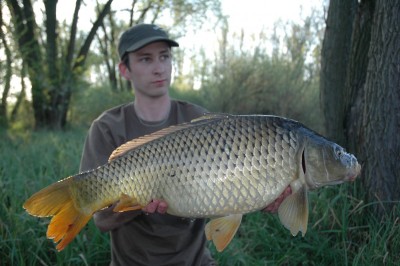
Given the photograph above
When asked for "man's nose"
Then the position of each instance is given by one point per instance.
(159, 67)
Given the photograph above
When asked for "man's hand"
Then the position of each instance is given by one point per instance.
(274, 206)
(107, 219)
(156, 206)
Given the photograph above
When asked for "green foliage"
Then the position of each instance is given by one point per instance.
(283, 81)
(89, 102)
(193, 96)
(341, 231)
(24, 119)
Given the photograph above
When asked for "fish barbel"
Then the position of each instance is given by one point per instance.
(217, 166)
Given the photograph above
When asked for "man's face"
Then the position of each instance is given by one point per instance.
(150, 69)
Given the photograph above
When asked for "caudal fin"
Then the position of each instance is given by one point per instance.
(55, 200)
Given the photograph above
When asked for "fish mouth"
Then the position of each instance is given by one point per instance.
(352, 178)
(353, 175)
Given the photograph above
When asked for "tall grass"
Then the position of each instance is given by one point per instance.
(28, 163)
(341, 231)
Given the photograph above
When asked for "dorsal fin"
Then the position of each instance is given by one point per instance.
(210, 116)
(132, 144)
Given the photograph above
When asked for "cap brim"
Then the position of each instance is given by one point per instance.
(147, 41)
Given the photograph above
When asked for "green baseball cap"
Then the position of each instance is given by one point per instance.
(141, 35)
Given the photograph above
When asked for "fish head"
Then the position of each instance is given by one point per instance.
(326, 163)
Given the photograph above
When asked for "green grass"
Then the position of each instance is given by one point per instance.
(28, 163)
(342, 229)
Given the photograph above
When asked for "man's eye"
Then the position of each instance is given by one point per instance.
(145, 59)
(164, 57)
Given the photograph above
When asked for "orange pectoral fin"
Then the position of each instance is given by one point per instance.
(222, 230)
(127, 203)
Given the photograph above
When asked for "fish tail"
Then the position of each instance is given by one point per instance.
(56, 200)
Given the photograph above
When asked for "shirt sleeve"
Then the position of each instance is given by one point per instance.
(98, 146)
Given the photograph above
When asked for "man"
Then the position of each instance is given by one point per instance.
(139, 238)
(147, 237)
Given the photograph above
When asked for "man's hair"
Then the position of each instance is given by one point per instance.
(125, 60)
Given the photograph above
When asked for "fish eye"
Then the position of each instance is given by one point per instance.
(338, 151)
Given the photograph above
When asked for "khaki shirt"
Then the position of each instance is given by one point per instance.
(154, 239)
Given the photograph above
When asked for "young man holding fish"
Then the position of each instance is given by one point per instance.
(217, 166)
(137, 237)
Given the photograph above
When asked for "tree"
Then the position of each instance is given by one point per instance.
(52, 73)
(367, 101)
(54, 61)
(334, 59)
(110, 58)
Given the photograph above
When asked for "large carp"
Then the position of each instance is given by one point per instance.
(217, 166)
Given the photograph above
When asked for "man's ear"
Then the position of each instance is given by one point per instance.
(124, 70)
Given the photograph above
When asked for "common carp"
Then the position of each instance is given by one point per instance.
(218, 167)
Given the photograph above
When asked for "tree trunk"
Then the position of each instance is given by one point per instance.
(7, 76)
(354, 101)
(66, 86)
(51, 91)
(370, 103)
(334, 58)
(31, 54)
(53, 72)
(381, 114)
(106, 50)
(21, 96)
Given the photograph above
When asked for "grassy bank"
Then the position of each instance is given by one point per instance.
(341, 229)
